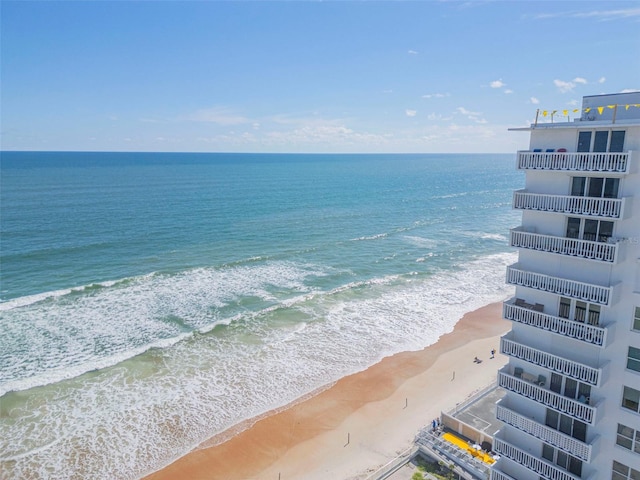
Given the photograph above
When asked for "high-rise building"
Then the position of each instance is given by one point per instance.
(572, 404)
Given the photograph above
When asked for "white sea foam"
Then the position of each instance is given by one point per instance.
(370, 237)
(64, 334)
(428, 243)
(31, 299)
(135, 417)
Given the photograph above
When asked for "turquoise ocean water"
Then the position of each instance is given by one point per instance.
(149, 301)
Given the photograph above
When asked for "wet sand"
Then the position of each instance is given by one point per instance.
(361, 422)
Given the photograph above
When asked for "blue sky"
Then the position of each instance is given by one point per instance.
(297, 76)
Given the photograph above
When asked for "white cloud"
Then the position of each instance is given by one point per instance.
(412, 52)
(563, 86)
(534, 100)
(580, 80)
(597, 14)
(508, 91)
(464, 111)
(436, 95)
(218, 115)
(602, 80)
(473, 116)
(410, 113)
(497, 84)
(610, 14)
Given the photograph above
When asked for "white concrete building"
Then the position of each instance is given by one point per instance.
(572, 408)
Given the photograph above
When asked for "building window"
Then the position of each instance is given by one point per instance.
(561, 459)
(628, 438)
(631, 399)
(587, 229)
(598, 187)
(633, 359)
(617, 141)
(636, 320)
(565, 424)
(565, 307)
(602, 141)
(582, 311)
(622, 472)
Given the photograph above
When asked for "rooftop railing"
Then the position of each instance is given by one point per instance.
(462, 458)
(586, 162)
(608, 208)
(572, 247)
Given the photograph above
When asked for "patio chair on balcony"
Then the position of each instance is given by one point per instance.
(517, 372)
(541, 380)
(560, 159)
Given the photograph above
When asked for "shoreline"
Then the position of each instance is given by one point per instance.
(359, 423)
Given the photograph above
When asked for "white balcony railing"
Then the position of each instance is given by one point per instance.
(498, 475)
(577, 371)
(573, 247)
(573, 408)
(588, 292)
(575, 162)
(584, 332)
(568, 444)
(542, 468)
(609, 208)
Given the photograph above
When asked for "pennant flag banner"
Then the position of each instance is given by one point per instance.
(600, 109)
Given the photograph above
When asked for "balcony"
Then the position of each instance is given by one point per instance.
(584, 332)
(587, 292)
(543, 468)
(498, 475)
(609, 163)
(572, 247)
(568, 444)
(573, 408)
(577, 371)
(592, 207)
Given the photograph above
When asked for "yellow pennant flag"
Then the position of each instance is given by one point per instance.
(587, 110)
(600, 110)
(611, 106)
(626, 107)
(565, 112)
(544, 113)
(576, 110)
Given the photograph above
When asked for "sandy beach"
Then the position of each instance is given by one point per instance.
(361, 422)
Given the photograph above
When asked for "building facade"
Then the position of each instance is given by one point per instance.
(572, 407)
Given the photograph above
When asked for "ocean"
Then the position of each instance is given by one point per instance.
(149, 301)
